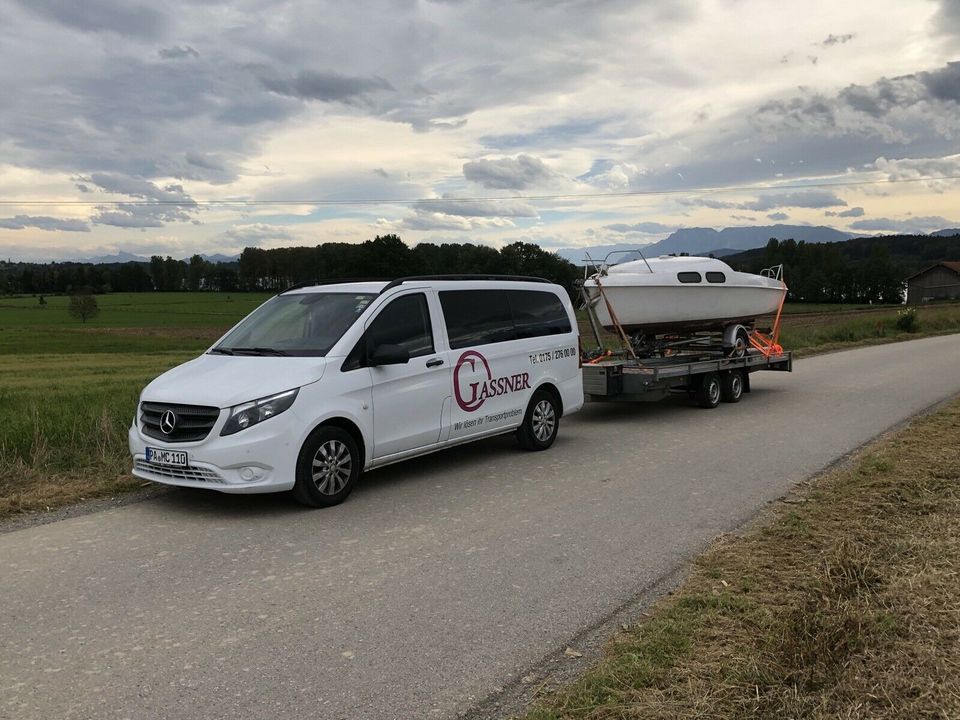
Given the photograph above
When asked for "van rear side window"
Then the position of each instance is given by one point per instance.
(481, 317)
(537, 313)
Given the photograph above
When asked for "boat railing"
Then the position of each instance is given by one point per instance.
(605, 265)
(775, 272)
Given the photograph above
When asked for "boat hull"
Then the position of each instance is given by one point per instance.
(662, 309)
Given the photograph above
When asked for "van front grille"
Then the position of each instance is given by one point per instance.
(190, 422)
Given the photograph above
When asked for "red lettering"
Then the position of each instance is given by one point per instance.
(481, 390)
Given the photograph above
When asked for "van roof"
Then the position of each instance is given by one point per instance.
(345, 287)
(383, 285)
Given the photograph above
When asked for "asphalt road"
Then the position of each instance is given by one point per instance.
(440, 580)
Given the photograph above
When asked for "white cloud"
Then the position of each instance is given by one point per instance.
(517, 173)
(254, 234)
(42, 222)
(478, 208)
(167, 105)
(910, 225)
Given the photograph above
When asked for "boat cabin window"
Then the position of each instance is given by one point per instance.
(716, 277)
(689, 277)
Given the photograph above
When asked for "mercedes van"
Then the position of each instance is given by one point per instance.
(325, 381)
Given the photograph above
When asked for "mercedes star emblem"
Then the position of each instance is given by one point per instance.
(168, 421)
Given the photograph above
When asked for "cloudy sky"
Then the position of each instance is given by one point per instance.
(208, 125)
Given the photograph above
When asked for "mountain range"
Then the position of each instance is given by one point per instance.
(125, 257)
(701, 241)
(695, 241)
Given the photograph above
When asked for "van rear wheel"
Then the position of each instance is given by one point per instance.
(541, 421)
(327, 468)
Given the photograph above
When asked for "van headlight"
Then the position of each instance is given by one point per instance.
(250, 413)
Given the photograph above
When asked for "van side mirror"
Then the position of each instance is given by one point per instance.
(387, 354)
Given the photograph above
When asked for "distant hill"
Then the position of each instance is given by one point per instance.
(120, 257)
(217, 258)
(125, 257)
(907, 253)
(949, 232)
(704, 241)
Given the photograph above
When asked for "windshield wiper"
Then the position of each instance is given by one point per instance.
(221, 351)
(260, 351)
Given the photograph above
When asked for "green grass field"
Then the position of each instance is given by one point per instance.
(127, 323)
(68, 390)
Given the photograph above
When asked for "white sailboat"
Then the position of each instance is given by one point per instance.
(686, 294)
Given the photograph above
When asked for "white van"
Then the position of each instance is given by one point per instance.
(322, 382)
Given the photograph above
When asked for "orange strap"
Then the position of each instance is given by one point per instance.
(597, 359)
(770, 344)
(624, 341)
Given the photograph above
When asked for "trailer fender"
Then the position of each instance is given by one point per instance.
(730, 335)
(736, 340)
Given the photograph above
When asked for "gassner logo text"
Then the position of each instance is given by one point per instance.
(470, 395)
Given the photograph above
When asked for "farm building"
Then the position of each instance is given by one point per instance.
(937, 282)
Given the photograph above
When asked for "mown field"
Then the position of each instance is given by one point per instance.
(68, 390)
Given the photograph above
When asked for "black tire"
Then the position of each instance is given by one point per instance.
(709, 390)
(541, 422)
(731, 386)
(327, 468)
(741, 344)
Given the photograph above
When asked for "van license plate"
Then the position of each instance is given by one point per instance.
(177, 458)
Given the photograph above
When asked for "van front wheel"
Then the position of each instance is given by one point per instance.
(327, 468)
(541, 422)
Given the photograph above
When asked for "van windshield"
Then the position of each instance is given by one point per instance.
(304, 325)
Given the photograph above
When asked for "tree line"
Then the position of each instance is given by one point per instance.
(384, 257)
(860, 270)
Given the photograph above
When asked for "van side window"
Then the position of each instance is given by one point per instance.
(405, 322)
(688, 277)
(477, 317)
(716, 277)
(537, 313)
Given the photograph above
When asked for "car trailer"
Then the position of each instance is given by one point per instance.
(701, 365)
(709, 380)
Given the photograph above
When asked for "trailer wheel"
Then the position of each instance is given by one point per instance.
(709, 391)
(541, 422)
(741, 344)
(731, 386)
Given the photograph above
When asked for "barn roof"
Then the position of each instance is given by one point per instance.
(949, 264)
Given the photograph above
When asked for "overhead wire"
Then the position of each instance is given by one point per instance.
(189, 202)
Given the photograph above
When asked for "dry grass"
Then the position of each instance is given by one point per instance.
(843, 603)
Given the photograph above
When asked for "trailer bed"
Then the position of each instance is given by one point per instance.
(626, 379)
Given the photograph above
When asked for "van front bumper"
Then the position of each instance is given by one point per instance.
(261, 459)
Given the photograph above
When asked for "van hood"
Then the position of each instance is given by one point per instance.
(224, 380)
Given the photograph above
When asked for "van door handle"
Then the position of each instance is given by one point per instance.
(435, 362)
